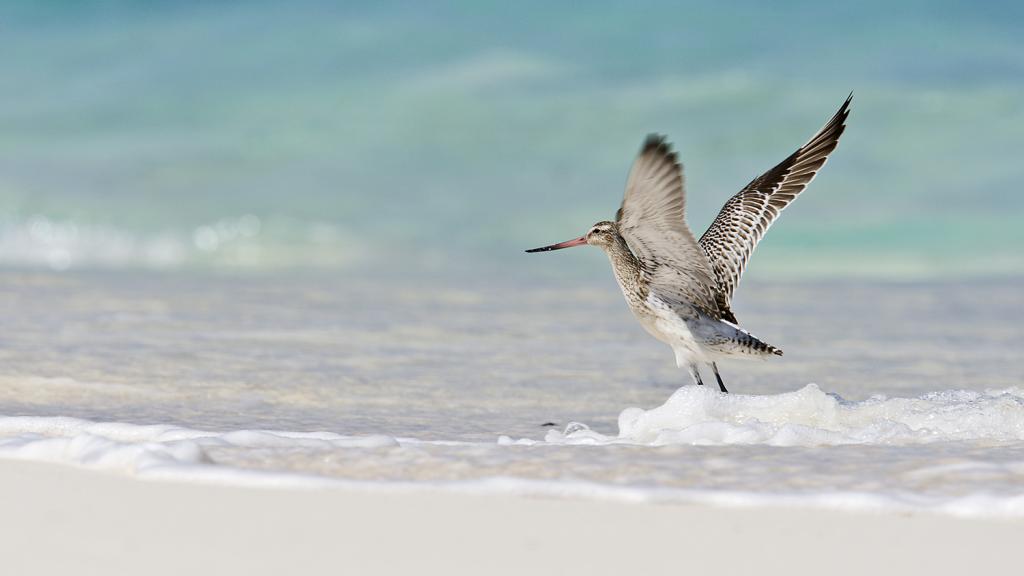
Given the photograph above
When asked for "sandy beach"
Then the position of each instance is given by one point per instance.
(61, 520)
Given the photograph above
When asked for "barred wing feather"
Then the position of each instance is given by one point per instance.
(743, 221)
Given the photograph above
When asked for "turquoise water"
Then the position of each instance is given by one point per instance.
(449, 136)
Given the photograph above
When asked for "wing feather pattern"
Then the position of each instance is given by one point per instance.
(744, 219)
(652, 220)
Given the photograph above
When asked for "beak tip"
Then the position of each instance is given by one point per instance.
(567, 244)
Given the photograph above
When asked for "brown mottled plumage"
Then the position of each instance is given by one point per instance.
(679, 288)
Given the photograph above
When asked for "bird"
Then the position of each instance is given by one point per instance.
(678, 287)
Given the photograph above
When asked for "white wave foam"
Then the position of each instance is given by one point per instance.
(64, 244)
(809, 417)
(160, 450)
(953, 452)
(238, 241)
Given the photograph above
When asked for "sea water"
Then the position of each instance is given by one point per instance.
(889, 396)
(166, 168)
(336, 135)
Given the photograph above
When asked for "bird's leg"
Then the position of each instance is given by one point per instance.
(721, 385)
(696, 374)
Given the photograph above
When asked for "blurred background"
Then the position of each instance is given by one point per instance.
(443, 138)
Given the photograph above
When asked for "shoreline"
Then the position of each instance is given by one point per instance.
(106, 523)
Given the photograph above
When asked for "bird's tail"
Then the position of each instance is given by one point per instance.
(760, 346)
(731, 340)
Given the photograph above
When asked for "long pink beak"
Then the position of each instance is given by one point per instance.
(567, 244)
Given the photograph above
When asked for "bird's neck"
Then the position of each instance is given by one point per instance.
(625, 264)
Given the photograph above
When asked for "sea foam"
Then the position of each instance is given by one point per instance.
(810, 417)
(161, 450)
(955, 452)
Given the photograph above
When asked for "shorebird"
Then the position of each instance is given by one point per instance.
(678, 287)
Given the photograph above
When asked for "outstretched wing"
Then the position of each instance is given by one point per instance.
(652, 220)
(745, 218)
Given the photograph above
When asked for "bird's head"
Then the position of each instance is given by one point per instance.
(601, 234)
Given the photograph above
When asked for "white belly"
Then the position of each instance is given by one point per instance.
(665, 324)
(696, 337)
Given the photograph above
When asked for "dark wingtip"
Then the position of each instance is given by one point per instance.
(844, 110)
(654, 140)
(832, 129)
(659, 145)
